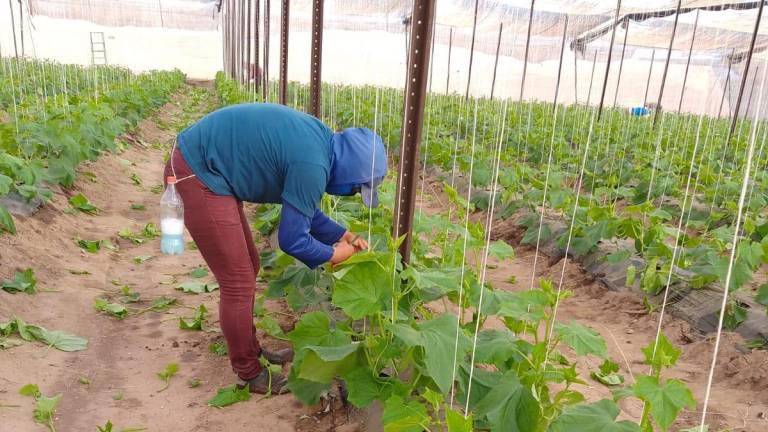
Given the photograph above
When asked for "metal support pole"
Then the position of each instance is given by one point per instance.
(658, 109)
(248, 70)
(608, 63)
(496, 62)
(450, 47)
(592, 78)
(225, 35)
(527, 47)
(241, 42)
(160, 11)
(725, 89)
(415, 97)
(13, 29)
(472, 50)
(688, 63)
(284, 22)
(575, 78)
(621, 63)
(648, 83)
(751, 92)
(256, 41)
(223, 14)
(315, 73)
(735, 117)
(560, 65)
(432, 60)
(265, 73)
(21, 28)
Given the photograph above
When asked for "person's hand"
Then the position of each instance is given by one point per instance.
(342, 252)
(355, 240)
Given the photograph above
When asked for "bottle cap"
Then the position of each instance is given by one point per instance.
(170, 180)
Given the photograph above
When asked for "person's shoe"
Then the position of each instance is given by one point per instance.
(280, 356)
(264, 384)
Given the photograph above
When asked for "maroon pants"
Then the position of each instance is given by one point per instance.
(222, 234)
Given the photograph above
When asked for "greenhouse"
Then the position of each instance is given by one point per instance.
(392, 215)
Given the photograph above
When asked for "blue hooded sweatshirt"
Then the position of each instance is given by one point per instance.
(268, 153)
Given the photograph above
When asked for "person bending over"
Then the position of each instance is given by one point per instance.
(267, 153)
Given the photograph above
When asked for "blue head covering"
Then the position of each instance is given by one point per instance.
(359, 164)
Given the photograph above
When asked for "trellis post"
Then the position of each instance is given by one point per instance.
(735, 117)
(284, 27)
(621, 63)
(688, 63)
(658, 109)
(472, 50)
(608, 63)
(415, 97)
(316, 60)
(527, 48)
(265, 72)
(496, 61)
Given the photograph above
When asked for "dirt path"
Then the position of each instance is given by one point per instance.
(739, 399)
(123, 357)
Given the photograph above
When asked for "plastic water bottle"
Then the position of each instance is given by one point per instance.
(171, 220)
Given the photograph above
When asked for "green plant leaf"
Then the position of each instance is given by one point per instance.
(167, 373)
(90, 246)
(30, 390)
(199, 272)
(402, 416)
(6, 221)
(196, 322)
(117, 310)
(438, 338)
(363, 388)
(457, 422)
(510, 406)
(607, 374)
(501, 250)
(306, 391)
(23, 281)
(197, 287)
(583, 340)
(58, 339)
(662, 354)
(362, 289)
(45, 408)
(596, 417)
(80, 202)
(323, 363)
(666, 400)
(229, 395)
(762, 294)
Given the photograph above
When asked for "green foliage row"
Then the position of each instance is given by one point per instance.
(44, 139)
(436, 344)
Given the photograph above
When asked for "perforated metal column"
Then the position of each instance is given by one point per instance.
(284, 24)
(315, 82)
(415, 97)
(256, 41)
(265, 72)
(496, 61)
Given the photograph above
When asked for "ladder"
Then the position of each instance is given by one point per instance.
(98, 48)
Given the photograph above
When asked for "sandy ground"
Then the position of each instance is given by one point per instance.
(739, 399)
(123, 357)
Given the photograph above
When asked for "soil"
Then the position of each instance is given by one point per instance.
(124, 356)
